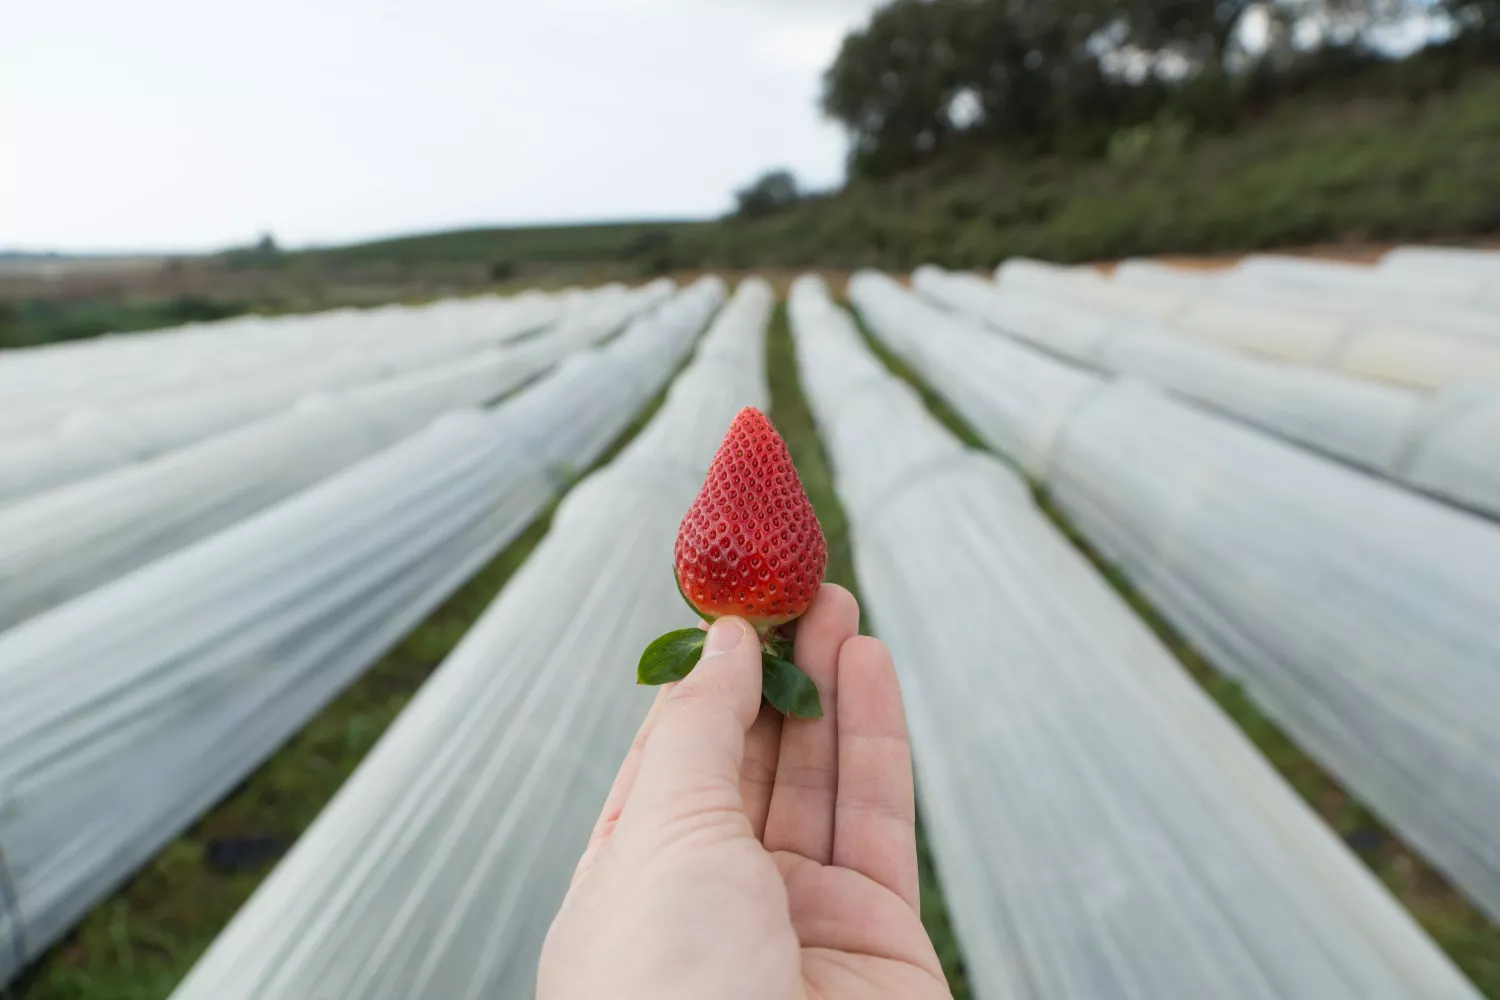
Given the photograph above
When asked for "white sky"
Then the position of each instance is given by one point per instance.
(187, 124)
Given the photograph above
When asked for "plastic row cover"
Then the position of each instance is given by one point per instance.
(1402, 289)
(1482, 265)
(99, 438)
(65, 542)
(1361, 616)
(369, 344)
(1447, 444)
(1367, 347)
(87, 374)
(127, 712)
(437, 869)
(245, 365)
(116, 367)
(1349, 291)
(1100, 828)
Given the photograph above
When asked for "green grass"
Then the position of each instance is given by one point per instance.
(642, 248)
(1458, 927)
(28, 322)
(793, 419)
(139, 943)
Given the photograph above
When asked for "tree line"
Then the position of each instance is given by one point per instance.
(1090, 77)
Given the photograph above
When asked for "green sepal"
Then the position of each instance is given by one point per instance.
(670, 657)
(788, 689)
(673, 656)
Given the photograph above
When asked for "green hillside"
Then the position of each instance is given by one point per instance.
(1328, 168)
(537, 245)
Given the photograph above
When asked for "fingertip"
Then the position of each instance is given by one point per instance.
(801, 817)
(834, 607)
(728, 671)
(867, 653)
(724, 635)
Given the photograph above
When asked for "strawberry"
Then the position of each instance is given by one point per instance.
(750, 545)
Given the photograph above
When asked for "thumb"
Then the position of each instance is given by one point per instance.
(692, 759)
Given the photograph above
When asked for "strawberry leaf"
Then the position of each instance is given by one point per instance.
(788, 689)
(670, 657)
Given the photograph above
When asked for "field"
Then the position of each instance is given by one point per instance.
(1334, 175)
(140, 942)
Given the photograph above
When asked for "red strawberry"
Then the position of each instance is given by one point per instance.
(750, 546)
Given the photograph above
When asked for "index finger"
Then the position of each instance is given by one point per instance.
(875, 820)
(807, 773)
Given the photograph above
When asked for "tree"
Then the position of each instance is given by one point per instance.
(912, 79)
(1067, 75)
(894, 83)
(773, 191)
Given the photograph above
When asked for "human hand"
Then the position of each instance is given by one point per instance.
(743, 855)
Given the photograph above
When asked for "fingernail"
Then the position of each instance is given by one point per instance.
(723, 635)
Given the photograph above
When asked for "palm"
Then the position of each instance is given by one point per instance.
(801, 881)
(881, 951)
(832, 802)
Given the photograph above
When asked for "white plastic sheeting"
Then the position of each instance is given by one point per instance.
(1481, 265)
(127, 712)
(1378, 300)
(64, 542)
(1455, 454)
(114, 368)
(437, 869)
(1366, 346)
(1361, 616)
(1447, 444)
(40, 386)
(104, 436)
(1337, 279)
(1100, 828)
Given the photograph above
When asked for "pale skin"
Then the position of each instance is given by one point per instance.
(742, 855)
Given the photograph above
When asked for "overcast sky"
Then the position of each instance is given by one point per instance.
(185, 124)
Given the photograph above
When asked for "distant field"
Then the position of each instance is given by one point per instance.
(641, 242)
(45, 267)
